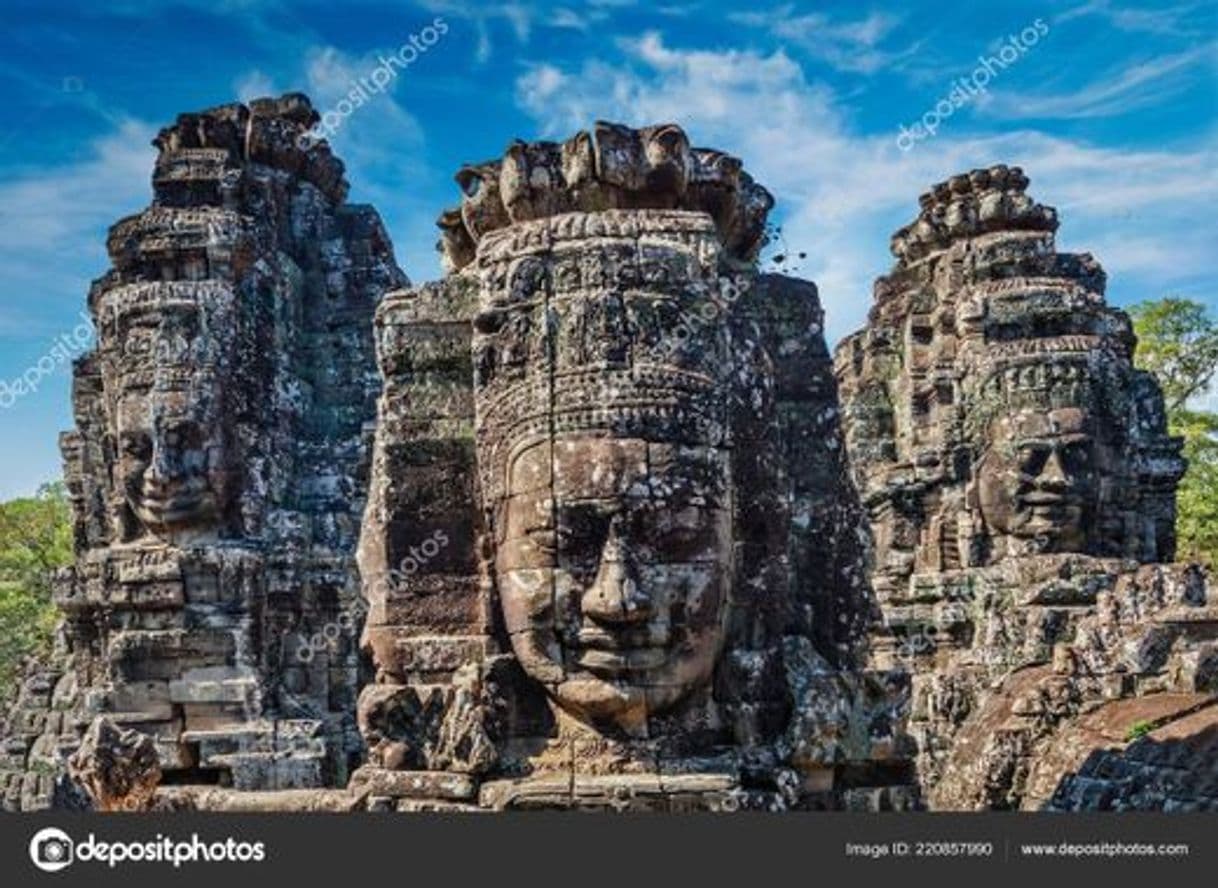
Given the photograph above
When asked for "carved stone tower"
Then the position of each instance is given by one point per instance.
(220, 457)
(630, 495)
(1016, 472)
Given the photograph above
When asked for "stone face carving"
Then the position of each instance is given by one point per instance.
(626, 437)
(613, 602)
(174, 469)
(1016, 470)
(605, 464)
(1038, 477)
(991, 405)
(219, 462)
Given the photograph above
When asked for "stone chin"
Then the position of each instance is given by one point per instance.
(190, 507)
(614, 674)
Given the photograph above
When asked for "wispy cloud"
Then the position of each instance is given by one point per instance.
(519, 17)
(1122, 91)
(1181, 20)
(55, 219)
(847, 45)
(254, 85)
(841, 193)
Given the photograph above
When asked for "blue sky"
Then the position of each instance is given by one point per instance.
(1111, 112)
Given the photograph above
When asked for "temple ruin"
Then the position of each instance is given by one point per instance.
(596, 521)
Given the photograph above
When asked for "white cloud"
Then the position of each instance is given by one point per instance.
(841, 193)
(1121, 92)
(254, 85)
(55, 221)
(851, 46)
(520, 19)
(1173, 21)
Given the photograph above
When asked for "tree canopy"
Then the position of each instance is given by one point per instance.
(35, 539)
(1178, 343)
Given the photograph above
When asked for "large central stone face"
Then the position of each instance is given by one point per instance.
(606, 458)
(615, 597)
(625, 434)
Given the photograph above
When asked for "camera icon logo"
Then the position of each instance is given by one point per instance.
(52, 850)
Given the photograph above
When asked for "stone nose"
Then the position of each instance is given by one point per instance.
(167, 464)
(160, 467)
(615, 595)
(1053, 474)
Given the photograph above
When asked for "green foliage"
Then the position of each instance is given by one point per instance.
(35, 539)
(1197, 497)
(1138, 729)
(1178, 343)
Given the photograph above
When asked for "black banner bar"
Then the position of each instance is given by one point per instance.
(226, 851)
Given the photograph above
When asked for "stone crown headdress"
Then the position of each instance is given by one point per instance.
(612, 167)
(604, 345)
(1047, 373)
(601, 268)
(154, 334)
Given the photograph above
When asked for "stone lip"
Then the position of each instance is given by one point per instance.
(612, 167)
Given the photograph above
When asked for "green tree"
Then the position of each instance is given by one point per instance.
(35, 539)
(1178, 343)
